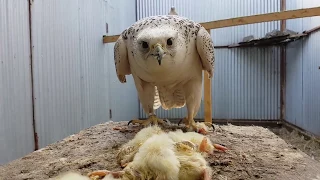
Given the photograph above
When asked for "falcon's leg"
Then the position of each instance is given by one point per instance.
(146, 93)
(193, 92)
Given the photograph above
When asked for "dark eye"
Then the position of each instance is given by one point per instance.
(169, 42)
(145, 44)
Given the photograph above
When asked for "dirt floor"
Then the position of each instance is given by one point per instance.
(307, 145)
(255, 153)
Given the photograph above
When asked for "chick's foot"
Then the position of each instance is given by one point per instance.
(102, 173)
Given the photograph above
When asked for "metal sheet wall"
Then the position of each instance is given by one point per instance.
(72, 69)
(123, 97)
(302, 87)
(246, 83)
(16, 134)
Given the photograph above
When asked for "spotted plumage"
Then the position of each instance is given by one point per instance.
(165, 55)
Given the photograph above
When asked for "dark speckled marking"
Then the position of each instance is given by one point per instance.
(188, 28)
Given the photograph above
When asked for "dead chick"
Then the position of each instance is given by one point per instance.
(201, 142)
(193, 164)
(77, 176)
(71, 176)
(129, 149)
(155, 159)
(163, 159)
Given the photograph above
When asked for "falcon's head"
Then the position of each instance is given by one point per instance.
(158, 44)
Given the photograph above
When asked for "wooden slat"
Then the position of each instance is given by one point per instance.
(292, 14)
(110, 39)
(282, 67)
(207, 97)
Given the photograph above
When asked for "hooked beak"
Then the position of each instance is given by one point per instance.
(158, 52)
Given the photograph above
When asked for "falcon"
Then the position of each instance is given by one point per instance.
(166, 55)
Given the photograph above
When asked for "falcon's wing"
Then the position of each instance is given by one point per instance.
(121, 60)
(206, 50)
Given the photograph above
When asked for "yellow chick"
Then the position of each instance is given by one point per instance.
(192, 164)
(77, 176)
(71, 176)
(128, 150)
(159, 157)
(201, 142)
(155, 159)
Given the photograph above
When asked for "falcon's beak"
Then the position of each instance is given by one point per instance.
(158, 52)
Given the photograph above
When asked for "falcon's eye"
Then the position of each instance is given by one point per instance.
(145, 44)
(169, 42)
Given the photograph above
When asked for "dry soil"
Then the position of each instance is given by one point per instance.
(255, 153)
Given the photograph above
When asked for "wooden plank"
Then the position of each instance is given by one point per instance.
(292, 14)
(207, 97)
(312, 30)
(110, 39)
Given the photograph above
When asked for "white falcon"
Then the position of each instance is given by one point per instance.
(165, 55)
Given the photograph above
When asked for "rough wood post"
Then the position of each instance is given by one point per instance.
(207, 97)
(283, 68)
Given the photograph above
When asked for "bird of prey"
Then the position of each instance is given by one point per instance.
(166, 55)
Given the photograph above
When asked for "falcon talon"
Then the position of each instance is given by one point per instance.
(213, 128)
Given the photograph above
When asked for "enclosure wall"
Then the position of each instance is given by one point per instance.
(303, 73)
(73, 69)
(16, 135)
(246, 83)
(124, 102)
(74, 80)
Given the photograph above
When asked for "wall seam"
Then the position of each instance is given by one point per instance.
(36, 140)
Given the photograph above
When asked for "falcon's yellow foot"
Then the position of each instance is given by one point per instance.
(200, 127)
(151, 120)
(102, 173)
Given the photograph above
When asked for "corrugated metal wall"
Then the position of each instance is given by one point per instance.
(73, 69)
(123, 97)
(303, 74)
(246, 83)
(75, 83)
(16, 134)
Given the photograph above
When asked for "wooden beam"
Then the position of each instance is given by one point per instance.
(276, 16)
(110, 39)
(207, 97)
